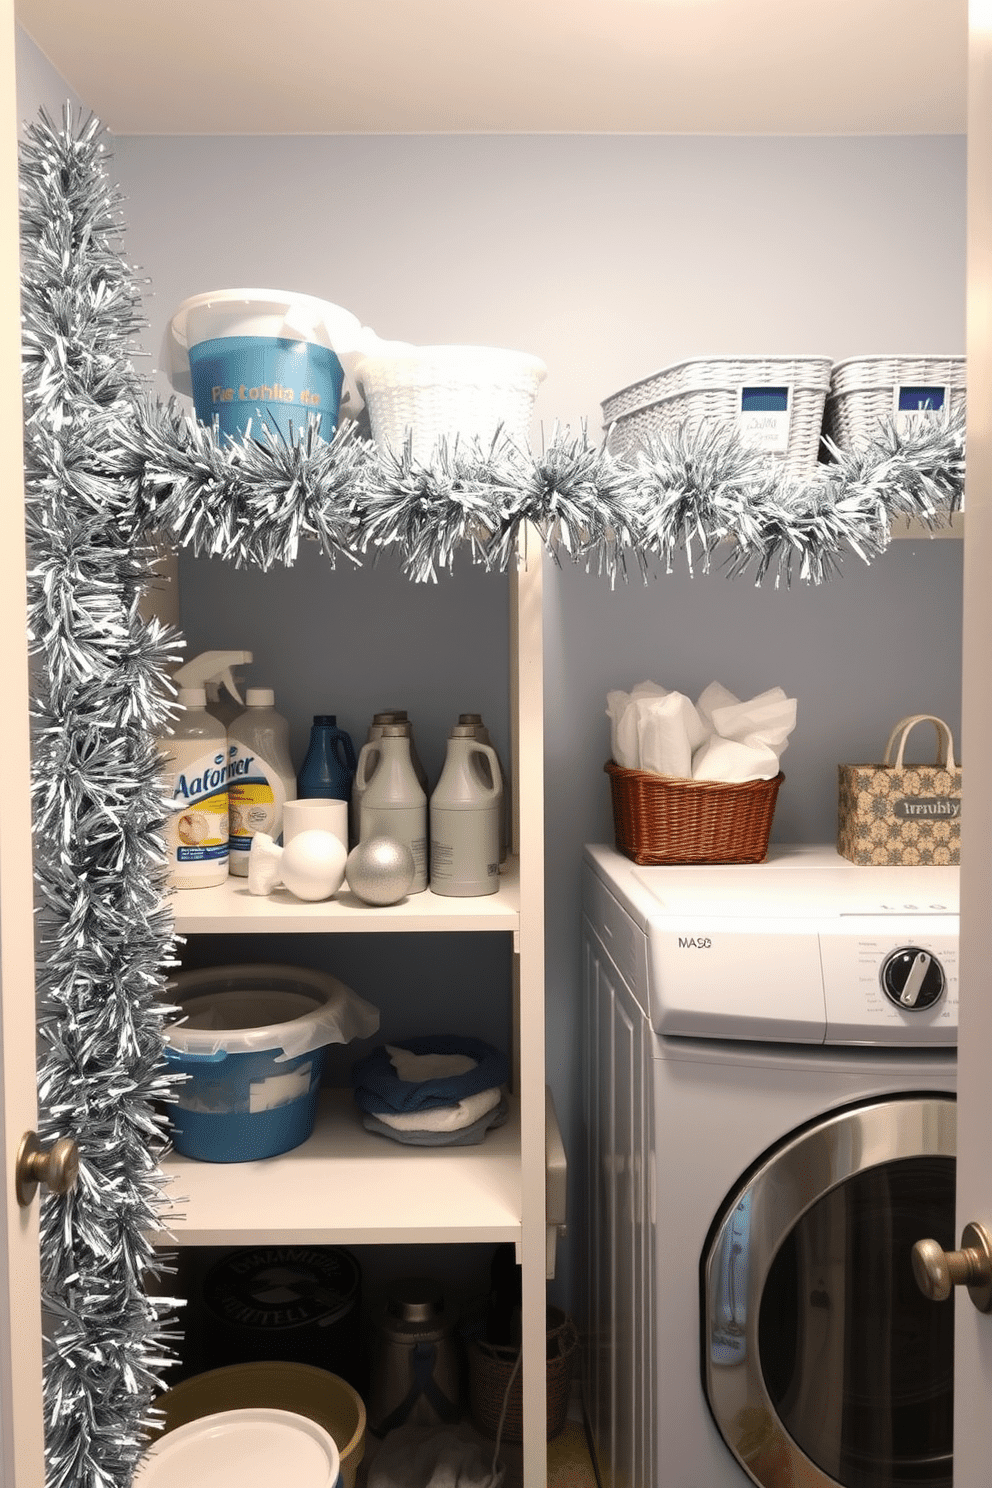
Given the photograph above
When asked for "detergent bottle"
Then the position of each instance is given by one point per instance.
(262, 778)
(329, 766)
(393, 803)
(464, 818)
(195, 761)
(474, 720)
(393, 715)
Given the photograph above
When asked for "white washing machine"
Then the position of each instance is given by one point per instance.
(770, 1075)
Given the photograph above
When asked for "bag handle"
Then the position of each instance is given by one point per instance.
(945, 743)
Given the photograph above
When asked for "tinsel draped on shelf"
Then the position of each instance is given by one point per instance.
(106, 467)
(253, 499)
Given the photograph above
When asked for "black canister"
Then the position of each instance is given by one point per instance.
(415, 1377)
(295, 1302)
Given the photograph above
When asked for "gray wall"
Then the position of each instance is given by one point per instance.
(608, 257)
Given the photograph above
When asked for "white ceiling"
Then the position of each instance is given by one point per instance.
(454, 66)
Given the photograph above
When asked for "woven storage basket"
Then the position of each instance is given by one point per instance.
(427, 393)
(491, 1365)
(658, 819)
(866, 392)
(712, 390)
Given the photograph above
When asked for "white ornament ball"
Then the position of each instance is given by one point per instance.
(312, 864)
(380, 870)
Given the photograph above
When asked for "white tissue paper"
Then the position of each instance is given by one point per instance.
(718, 738)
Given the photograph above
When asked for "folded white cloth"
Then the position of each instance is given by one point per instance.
(412, 1068)
(443, 1118)
(718, 738)
(433, 1457)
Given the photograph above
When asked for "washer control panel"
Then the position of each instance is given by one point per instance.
(803, 948)
(883, 986)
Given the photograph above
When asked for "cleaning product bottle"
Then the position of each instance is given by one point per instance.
(329, 766)
(482, 734)
(261, 774)
(464, 818)
(394, 715)
(213, 670)
(195, 760)
(394, 803)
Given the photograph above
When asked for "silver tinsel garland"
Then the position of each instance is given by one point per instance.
(104, 940)
(106, 466)
(688, 490)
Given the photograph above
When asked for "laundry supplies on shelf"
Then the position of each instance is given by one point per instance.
(329, 766)
(214, 671)
(196, 777)
(262, 778)
(465, 818)
(393, 800)
(432, 1091)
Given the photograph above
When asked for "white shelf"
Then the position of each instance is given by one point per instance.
(230, 909)
(349, 1186)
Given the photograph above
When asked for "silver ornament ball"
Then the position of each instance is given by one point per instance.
(380, 870)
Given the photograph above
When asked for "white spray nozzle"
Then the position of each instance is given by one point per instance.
(213, 667)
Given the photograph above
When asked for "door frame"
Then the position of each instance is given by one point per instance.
(21, 1416)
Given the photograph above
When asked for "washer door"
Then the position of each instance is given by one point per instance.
(822, 1361)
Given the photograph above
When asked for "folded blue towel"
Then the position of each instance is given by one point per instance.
(378, 1088)
(465, 1136)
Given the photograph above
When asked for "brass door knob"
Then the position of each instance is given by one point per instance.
(937, 1271)
(57, 1167)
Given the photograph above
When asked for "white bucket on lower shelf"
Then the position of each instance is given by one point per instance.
(253, 1448)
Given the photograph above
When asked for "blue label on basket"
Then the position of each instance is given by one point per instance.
(271, 381)
(764, 400)
(920, 399)
(912, 401)
(763, 418)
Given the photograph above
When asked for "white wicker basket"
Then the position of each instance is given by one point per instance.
(427, 393)
(724, 389)
(868, 391)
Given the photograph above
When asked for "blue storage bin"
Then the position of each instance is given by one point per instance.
(250, 1041)
(269, 357)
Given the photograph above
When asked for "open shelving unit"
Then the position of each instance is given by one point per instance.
(346, 1185)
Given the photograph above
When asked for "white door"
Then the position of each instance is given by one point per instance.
(21, 1431)
(973, 1332)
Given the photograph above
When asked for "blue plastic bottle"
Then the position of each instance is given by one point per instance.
(329, 767)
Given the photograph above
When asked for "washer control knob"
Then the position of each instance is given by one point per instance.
(912, 978)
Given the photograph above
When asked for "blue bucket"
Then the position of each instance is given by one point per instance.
(224, 1128)
(266, 381)
(250, 1043)
(271, 357)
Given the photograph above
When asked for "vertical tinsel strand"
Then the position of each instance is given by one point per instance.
(104, 941)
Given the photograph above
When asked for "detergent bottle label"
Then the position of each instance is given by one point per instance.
(197, 828)
(257, 796)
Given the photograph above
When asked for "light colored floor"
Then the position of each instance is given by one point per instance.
(569, 1463)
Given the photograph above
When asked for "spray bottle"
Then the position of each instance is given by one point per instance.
(195, 760)
(212, 670)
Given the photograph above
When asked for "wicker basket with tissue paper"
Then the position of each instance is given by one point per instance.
(658, 820)
(696, 783)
